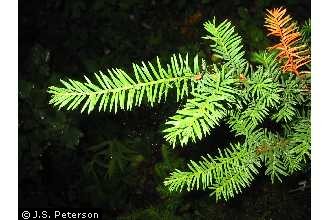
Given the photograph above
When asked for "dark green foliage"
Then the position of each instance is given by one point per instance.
(113, 156)
(169, 162)
(306, 31)
(41, 132)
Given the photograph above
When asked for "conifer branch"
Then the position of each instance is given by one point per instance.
(227, 43)
(119, 90)
(231, 91)
(226, 174)
(218, 93)
(291, 51)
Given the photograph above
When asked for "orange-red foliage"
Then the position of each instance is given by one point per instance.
(292, 52)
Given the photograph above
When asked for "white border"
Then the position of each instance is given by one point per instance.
(320, 110)
(9, 110)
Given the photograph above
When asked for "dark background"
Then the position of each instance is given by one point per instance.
(118, 161)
